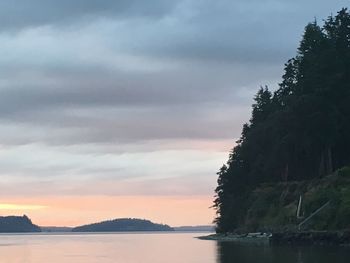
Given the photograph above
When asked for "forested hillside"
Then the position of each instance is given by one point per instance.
(123, 225)
(299, 132)
(17, 224)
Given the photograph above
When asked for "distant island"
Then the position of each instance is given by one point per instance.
(22, 224)
(17, 224)
(199, 228)
(123, 225)
(55, 229)
(205, 228)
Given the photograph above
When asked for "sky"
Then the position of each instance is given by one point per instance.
(125, 108)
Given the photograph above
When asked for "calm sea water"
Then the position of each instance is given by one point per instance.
(153, 248)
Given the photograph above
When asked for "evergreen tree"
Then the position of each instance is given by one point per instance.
(299, 132)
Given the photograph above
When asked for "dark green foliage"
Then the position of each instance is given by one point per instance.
(299, 132)
(17, 224)
(272, 207)
(122, 225)
(335, 189)
(345, 171)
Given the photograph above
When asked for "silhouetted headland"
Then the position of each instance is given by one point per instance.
(17, 224)
(123, 225)
(288, 175)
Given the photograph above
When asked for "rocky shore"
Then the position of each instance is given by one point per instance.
(256, 238)
(333, 238)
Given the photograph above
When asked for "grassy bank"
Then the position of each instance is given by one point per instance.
(273, 207)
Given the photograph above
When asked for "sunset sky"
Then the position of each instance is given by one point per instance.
(126, 108)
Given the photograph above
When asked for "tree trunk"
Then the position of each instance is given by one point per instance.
(321, 171)
(329, 161)
(326, 162)
(285, 173)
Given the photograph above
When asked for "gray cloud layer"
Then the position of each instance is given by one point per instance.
(24, 14)
(140, 75)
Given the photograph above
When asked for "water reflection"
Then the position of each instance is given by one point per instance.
(153, 248)
(228, 252)
(106, 248)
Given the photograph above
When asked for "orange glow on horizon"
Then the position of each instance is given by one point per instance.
(15, 207)
(78, 210)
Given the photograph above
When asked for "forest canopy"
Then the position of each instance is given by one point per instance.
(300, 131)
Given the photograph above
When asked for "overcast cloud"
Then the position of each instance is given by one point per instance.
(135, 97)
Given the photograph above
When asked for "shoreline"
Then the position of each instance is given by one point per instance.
(332, 238)
(245, 238)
